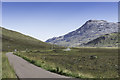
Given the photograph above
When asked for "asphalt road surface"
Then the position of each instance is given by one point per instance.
(24, 69)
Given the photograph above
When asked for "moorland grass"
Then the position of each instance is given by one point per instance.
(0, 65)
(7, 70)
(12, 40)
(77, 62)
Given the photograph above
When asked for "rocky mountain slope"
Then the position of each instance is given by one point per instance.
(91, 30)
(107, 40)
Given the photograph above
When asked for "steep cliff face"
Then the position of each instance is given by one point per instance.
(91, 30)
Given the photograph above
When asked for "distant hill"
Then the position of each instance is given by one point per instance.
(12, 40)
(107, 40)
(91, 30)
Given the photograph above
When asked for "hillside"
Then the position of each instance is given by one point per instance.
(107, 40)
(12, 40)
(91, 30)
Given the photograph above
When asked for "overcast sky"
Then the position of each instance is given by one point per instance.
(44, 20)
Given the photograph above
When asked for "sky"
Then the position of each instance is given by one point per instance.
(44, 20)
(60, 0)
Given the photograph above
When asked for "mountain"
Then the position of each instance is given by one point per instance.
(12, 40)
(107, 40)
(91, 30)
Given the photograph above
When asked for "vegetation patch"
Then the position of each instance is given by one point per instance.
(7, 70)
(79, 62)
(12, 41)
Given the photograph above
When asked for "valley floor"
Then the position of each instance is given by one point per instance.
(79, 62)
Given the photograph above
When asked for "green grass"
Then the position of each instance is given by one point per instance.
(7, 70)
(0, 65)
(14, 40)
(77, 62)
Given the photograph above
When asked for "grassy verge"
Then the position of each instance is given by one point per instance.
(50, 67)
(0, 65)
(7, 70)
(79, 62)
